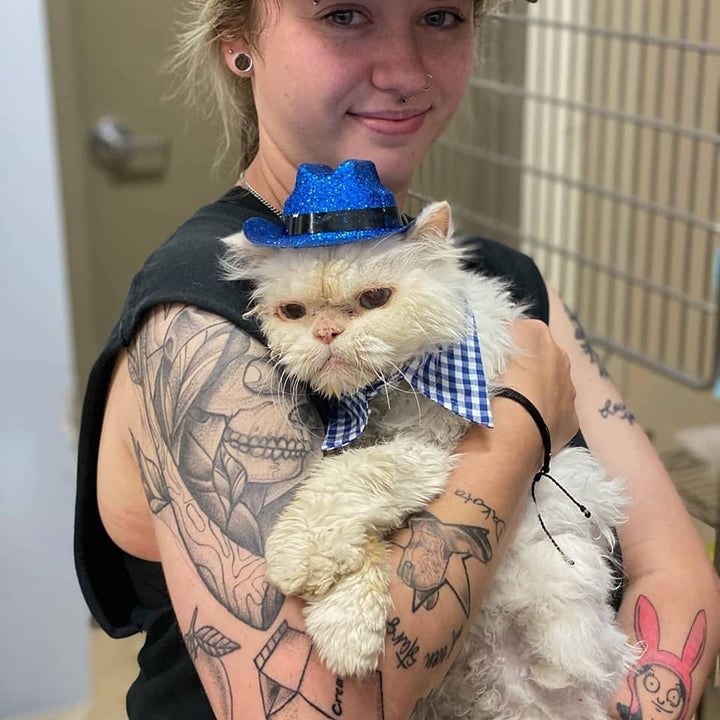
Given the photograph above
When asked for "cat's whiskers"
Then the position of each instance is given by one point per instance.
(385, 385)
(407, 388)
(286, 393)
(286, 383)
(281, 384)
(423, 331)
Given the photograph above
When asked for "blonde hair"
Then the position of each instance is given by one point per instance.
(204, 79)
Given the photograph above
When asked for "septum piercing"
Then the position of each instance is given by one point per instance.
(404, 99)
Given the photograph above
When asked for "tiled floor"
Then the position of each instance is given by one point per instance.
(113, 669)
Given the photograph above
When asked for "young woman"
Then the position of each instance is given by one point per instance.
(186, 455)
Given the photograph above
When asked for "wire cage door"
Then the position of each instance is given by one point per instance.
(590, 139)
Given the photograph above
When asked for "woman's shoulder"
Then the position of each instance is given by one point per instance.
(497, 259)
(199, 238)
(186, 267)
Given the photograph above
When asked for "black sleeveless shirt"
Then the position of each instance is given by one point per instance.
(127, 595)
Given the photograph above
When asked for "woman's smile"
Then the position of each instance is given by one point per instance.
(392, 122)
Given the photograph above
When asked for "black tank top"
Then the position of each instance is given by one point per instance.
(127, 595)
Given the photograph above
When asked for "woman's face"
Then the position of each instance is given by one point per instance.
(329, 78)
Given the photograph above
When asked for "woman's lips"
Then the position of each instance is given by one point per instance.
(392, 123)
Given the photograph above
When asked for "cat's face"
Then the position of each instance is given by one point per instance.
(340, 317)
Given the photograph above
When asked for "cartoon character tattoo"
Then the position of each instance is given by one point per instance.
(436, 556)
(661, 682)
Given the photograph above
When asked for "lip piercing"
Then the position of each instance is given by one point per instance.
(426, 88)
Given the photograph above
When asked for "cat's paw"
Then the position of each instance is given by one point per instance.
(308, 560)
(348, 625)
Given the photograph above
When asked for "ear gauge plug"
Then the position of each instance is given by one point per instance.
(243, 62)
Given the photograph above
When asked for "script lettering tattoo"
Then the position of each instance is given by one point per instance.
(406, 649)
(661, 681)
(619, 410)
(437, 555)
(221, 465)
(486, 510)
(439, 656)
(288, 667)
(207, 646)
(584, 343)
(337, 705)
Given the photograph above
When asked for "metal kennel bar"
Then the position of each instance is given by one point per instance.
(590, 138)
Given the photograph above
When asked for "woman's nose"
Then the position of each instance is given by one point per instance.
(399, 66)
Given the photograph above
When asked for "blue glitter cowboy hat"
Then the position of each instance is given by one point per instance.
(331, 207)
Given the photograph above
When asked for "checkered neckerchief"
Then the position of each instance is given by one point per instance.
(453, 377)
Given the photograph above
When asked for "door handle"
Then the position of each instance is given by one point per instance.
(127, 154)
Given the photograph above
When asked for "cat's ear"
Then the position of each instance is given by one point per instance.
(242, 258)
(433, 225)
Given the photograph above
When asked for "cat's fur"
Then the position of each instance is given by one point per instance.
(545, 644)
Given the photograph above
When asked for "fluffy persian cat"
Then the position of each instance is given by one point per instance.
(545, 643)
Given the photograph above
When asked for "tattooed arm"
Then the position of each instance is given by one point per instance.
(673, 596)
(219, 444)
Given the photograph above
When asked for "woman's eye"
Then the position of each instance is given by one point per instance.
(345, 18)
(673, 697)
(292, 311)
(442, 18)
(376, 298)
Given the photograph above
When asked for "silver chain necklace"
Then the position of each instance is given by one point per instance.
(257, 195)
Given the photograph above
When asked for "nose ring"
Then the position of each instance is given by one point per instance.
(425, 88)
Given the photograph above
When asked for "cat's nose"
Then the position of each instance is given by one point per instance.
(326, 331)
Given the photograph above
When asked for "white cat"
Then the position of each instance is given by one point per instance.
(545, 644)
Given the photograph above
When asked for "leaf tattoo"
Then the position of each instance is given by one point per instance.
(208, 639)
(156, 489)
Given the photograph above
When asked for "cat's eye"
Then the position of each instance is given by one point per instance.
(292, 311)
(375, 298)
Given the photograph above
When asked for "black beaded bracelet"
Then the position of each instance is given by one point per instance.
(518, 397)
(544, 471)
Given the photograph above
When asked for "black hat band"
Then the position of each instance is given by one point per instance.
(344, 220)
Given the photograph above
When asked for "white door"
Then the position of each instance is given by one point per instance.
(108, 64)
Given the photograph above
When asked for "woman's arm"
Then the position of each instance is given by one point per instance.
(663, 557)
(220, 446)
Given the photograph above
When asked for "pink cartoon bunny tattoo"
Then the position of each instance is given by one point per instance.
(661, 682)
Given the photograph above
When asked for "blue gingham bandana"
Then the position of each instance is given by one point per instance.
(452, 377)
